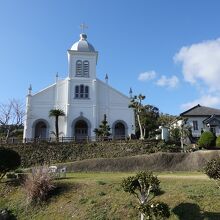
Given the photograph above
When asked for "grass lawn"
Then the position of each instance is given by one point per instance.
(99, 196)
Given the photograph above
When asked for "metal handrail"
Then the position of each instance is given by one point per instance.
(15, 140)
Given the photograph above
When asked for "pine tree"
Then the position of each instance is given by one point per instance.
(104, 128)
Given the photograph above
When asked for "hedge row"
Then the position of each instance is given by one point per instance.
(49, 153)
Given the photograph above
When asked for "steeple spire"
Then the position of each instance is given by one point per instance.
(106, 78)
(30, 90)
(131, 93)
(57, 77)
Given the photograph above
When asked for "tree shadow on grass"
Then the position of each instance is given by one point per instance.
(61, 188)
(212, 215)
(191, 211)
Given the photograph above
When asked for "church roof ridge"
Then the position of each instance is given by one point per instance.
(50, 86)
(112, 88)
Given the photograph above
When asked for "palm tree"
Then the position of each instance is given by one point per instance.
(56, 113)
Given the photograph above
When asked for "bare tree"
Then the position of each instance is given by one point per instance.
(11, 116)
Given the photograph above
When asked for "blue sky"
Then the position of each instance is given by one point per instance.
(167, 50)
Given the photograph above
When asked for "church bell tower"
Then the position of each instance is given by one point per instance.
(82, 59)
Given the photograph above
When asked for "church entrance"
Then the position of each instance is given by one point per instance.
(40, 130)
(81, 130)
(119, 130)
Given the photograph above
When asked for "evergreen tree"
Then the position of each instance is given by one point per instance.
(104, 128)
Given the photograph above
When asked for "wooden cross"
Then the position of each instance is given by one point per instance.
(83, 26)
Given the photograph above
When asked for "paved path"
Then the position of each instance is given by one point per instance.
(173, 176)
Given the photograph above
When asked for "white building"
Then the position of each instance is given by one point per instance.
(202, 118)
(84, 99)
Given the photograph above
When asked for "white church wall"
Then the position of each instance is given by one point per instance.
(61, 93)
(103, 99)
(115, 106)
(45, 96)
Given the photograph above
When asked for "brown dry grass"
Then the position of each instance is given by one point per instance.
(38, 184)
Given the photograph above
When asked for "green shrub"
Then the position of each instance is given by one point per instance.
(100, 182)
(175, 134)
(11, 176)
(9, 161)
(217, 142)
(7, 214)
(212, 169)
(101, 193)
(155, 210)
(206, 140)
(145, 186)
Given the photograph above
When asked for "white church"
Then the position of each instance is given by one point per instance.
(84, 99)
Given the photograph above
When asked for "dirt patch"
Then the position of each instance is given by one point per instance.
(200, 177)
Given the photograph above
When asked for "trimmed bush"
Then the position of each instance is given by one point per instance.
(145, 186)
(217, 142)
(9, 161)
(207, 140)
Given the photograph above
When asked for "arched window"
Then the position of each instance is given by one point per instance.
(81, 92)
(82, 68)
(86, 68)
(78, 68)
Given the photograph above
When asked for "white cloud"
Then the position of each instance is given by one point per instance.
(171, 82)
(201, 63)
(206, 100)
(146, 76)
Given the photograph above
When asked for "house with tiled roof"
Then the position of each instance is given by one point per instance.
(202, 118)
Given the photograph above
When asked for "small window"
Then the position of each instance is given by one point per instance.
(195, 125)
(81, 89)
(86, 92)
(82, 92)
(86, 68)
(77, 92)
(78, 68)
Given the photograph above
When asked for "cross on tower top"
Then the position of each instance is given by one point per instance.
(83, 26)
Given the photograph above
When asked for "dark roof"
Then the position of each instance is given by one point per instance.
(199, 110)
(212, 119)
